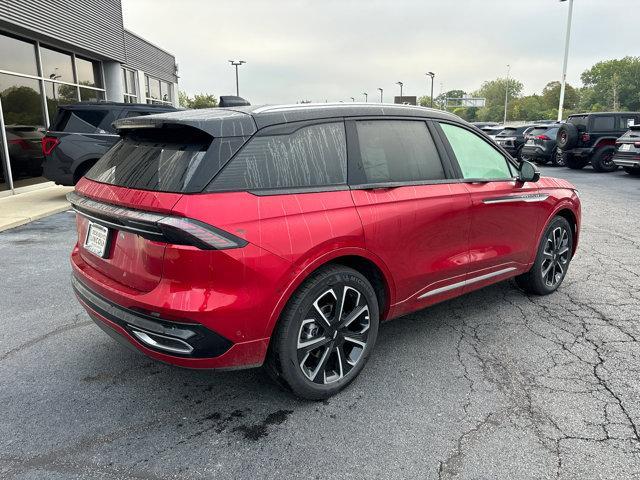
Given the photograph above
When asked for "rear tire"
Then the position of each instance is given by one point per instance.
(575, 163)
(318, 348)
(552, 259)
(558, 158)
(602, 159)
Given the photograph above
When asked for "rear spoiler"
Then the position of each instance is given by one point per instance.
(216, 122)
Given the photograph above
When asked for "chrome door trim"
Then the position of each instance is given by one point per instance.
(466, 282)
(529, 198)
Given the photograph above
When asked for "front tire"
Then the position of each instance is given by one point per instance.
(552, 259)
(325, 334)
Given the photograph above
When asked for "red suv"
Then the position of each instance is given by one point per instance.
(229, 238)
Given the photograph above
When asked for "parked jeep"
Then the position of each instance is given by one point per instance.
(591, 138)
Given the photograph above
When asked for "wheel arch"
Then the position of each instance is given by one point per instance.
(360, 260)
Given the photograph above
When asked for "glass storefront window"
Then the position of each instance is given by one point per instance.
(88, 73)
(165, 89)
(24, 127)
(17, 56)
(153, 88)
(59, 94)
(56, 65)
(88, 95)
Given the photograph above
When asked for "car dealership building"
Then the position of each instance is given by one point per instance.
(54, 53)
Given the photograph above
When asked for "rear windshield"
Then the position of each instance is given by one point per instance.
(181, 160)
(578, 120)
(84, 121)
(539, 131)
(508, 132)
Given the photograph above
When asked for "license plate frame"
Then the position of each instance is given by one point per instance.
(97, 240)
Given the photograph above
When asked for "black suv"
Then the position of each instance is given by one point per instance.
(540, 145)
(512, 139)
(81, 133)
(591, 137)
(627, 154)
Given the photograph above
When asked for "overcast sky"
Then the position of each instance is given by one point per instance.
(336, 49)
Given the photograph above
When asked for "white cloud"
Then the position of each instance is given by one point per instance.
(330, 49)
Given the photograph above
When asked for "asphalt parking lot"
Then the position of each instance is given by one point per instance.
(495, 384)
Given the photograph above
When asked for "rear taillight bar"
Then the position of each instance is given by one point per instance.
(48, 144)
(155, 226)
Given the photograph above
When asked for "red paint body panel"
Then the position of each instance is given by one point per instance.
(421, 238)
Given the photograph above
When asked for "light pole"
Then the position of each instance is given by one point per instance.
(431, 74)
(352, 99)
(380, 94)
(366, 96)
(566, 58)
(237, 63)
(401, 84)
(506, 96)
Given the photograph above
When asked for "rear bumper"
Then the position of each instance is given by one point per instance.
(536, 151)
(630, 161)
(189, 345)
(54, 170)
(579, 152)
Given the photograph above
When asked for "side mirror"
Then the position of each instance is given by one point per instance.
(528, 172)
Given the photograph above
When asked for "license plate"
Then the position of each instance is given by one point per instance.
(625, 147)
(530, 142)
(97, 239)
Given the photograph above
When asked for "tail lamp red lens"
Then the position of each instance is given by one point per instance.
(586, 137)
(543, 137)
(48, 144)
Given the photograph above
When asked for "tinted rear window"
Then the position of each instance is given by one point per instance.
(312, 156)
(165, 160)
(604, 123)
(508, 132)
(538, 131)
(578, 120)
(397, 151)
(84, 121)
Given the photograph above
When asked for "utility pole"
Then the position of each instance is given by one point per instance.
(431, 74)
(506, 95)
(380, 94)
(401, 84)
(237, 63)
(566, 58)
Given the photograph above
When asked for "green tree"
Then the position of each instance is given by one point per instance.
(494, 93)
(613, 85)
(199, 100)
(551, 96)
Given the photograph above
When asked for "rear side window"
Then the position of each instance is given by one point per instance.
(312, 156)
(84, 121)
(578, 120)
(477, 159)
(603, 123)
(165, 160)
(397, 151)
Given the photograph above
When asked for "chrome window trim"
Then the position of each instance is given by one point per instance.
(528, 198)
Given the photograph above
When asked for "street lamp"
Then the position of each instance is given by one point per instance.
(352, 99)
(237, 63)
(431, 74)
(401, 84)
(506, 95)
(380, 94)
(566, 58)
(366, 96)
